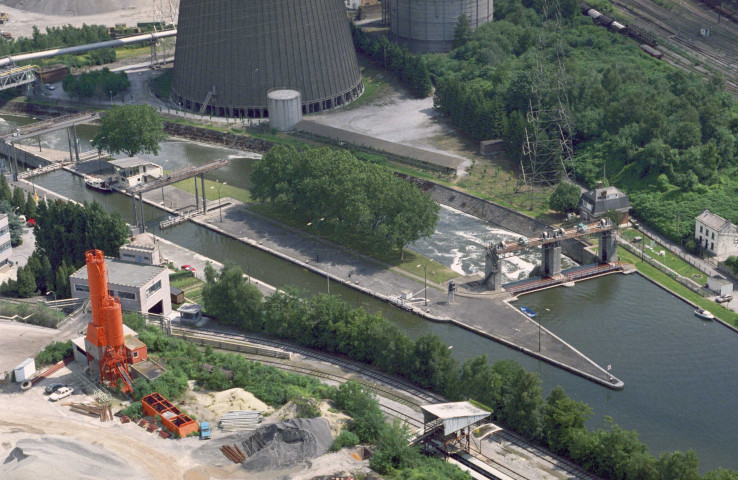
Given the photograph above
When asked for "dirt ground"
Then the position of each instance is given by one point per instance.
(19, 341)
(54, 439)
(24, 14)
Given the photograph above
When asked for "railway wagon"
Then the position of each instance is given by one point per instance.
(651, 51)
(618, 27)
(604, 20)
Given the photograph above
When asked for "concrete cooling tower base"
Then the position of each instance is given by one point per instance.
(231, 53)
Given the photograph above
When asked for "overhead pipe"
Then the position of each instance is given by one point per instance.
(118, 42)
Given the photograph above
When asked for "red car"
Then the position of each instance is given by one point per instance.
(31, 222)
(188, 268)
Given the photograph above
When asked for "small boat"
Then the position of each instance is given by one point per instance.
(530, 313)
(704, 314)
(99, 184)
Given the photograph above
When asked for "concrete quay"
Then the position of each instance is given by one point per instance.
(491, 316)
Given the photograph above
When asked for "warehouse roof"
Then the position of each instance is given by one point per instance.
(454, 416)
(125, 273)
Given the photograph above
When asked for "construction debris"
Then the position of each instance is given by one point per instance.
(240, 420)
(103, 412)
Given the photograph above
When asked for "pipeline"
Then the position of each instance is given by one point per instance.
(118, 42)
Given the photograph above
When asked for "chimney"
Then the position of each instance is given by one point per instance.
(599, 184)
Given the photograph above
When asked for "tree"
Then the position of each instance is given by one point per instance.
(561, 415)
(565, 198)
(678, 466)
(130, 129)
(18, 201)
(522, 404)
(393, 450)
(30, 206)
(462, 32)
(26, 283)
(232, 299)
(5, 193)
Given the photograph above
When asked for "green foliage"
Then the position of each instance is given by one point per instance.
(340, 193)
(676, 151)
(393, 452)
(344, 439)
(18, 200)
(54, 352)
(5, 193)
(367, 419)
(99, 83)
(307, 407)
(53, 37)
(720, 474)
(431, 468)
(232, 299)
(411, 69)
(26, 283)
(14, 222)
(732, 262)
(65, 231)
(134, 410)
(131, 129)
(462, 31)
(565, 198)
(562, 419)
(134, 321)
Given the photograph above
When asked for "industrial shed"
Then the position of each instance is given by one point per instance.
(448, 426)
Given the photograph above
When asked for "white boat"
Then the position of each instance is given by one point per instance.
(99, 184)
(704, 314)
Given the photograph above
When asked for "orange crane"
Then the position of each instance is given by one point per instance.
(105, 332)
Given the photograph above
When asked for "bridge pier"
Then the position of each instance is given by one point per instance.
(608, 248)
(551, 260)
(492, 270)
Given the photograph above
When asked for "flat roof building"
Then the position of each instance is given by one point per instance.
(145, 254)
(133, 171)
(6, 250)
(141, 288)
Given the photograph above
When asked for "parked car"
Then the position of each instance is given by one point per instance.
(188, 268)
(50, 86)
(53, 387)
(31, 222)
(61, 393)
(724, 298)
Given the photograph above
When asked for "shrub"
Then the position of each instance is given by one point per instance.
(344, 439)
(54, 352)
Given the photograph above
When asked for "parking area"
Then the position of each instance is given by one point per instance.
(19, 341)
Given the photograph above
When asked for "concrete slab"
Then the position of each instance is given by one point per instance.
(19, 341)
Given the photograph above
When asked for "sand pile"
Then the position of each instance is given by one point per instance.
(61, 457)
(286, 444)
(72, 7)
(236, 399)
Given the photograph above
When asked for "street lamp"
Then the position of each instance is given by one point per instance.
(220, 208)
(425, 281)
(111, 96)
(50, 292)
(315, 223)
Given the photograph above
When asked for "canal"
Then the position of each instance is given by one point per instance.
(680, 372)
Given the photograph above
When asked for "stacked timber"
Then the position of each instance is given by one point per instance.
(233, 453)
(103, 412)
(240, 420)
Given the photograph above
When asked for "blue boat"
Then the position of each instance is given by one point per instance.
(530, 313)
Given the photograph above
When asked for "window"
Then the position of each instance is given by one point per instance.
(4, 246)
(127, 295)
(700, 228)
(154, 288)
(712, 246)
(713, 235)
(81, 288)
(135, 355)
(4, 230)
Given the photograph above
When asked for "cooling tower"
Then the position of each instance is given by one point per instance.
(427, 26)
(230, 53)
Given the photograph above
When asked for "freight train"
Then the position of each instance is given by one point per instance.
(646, 39)
(723, 9)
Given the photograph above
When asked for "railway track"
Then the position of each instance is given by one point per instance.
(386, 386)
(422, 396)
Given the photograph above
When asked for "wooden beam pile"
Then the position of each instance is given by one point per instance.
(233, 453)
(103, 412)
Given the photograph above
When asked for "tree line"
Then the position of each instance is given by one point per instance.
(410, 69)
(512, 394)
(664, 136)
(98, 83)
(338, 193)
(64, 231)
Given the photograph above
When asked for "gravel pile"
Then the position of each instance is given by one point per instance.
(286, 444)
(71, 7)
(59, 457)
